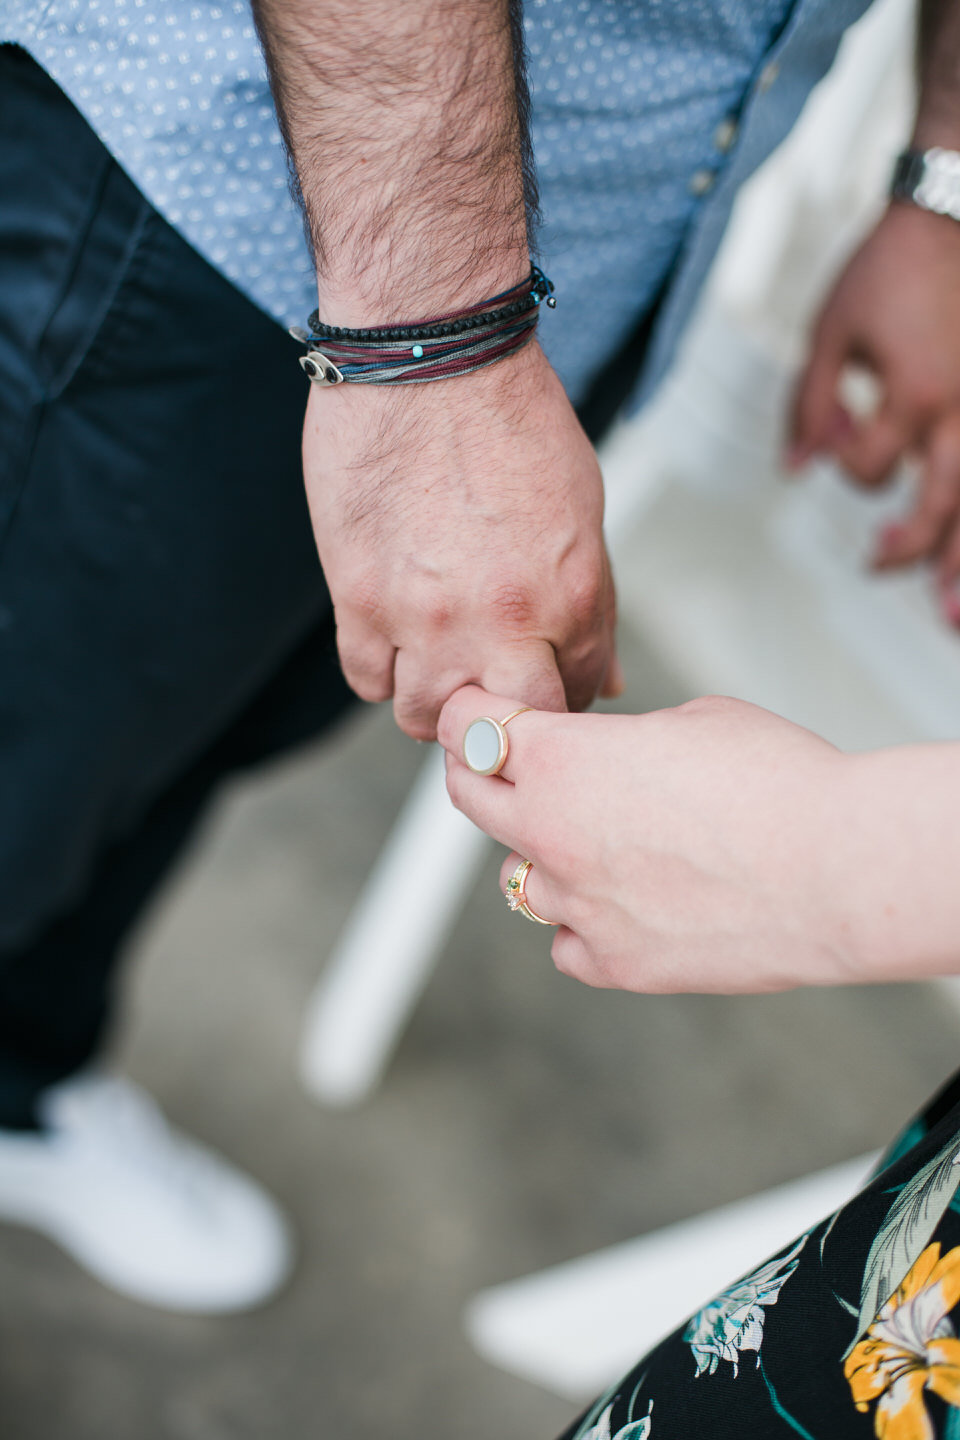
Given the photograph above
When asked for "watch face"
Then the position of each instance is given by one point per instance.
(930, 179)
(939, 186)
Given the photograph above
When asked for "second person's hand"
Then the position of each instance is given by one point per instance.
(895, 311)
(711, 848)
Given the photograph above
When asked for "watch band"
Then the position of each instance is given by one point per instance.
(929, 179)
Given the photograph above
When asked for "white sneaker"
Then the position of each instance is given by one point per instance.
(148, 1212)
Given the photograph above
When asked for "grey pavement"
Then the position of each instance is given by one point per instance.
(524, 1120)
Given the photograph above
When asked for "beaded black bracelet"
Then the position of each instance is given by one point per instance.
(454, 344)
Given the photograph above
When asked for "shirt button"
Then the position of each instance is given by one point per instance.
(724, 135)
(701, 181)
(768, 76)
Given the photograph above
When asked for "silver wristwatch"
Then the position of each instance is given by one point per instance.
(930, 179)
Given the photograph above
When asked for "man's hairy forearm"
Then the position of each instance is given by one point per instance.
(938, 63)
(406, 122)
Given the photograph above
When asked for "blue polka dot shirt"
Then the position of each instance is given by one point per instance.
(647, 115)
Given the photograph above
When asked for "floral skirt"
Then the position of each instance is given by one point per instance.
(849, 1332)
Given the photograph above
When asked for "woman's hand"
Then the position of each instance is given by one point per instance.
(689, 849)
(717, 847)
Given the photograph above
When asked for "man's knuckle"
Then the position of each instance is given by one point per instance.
(937, 509)
(583, 665)
(587, 595)
(416, 715)
(367, 598)
(513, 605)
(434, 609)
(368, 687)
(926, 396)
(416, 727)
(370, 681)
(864, 470)
(415, 723)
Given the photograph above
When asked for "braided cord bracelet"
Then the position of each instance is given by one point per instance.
(453, 344)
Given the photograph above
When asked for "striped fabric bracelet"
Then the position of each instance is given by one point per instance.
(437, 349)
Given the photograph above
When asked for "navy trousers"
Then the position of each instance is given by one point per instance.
(163, 616)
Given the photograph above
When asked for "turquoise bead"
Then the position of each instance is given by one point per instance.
(417, 352)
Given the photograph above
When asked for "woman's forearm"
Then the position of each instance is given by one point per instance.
(899, 861)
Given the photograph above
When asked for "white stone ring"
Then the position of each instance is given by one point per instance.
(517, 895)
(485, 745)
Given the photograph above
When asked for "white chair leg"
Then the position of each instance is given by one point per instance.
(576, 1327)
(387, 949)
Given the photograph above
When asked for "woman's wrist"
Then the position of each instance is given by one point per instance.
(895, 864)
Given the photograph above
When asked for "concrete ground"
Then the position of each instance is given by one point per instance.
(525, 1120)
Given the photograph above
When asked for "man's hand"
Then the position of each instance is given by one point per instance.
(459, 526)
(896, 311)
(458, 522)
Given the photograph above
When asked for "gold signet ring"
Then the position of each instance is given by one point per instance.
(517, 896)
(485, 745)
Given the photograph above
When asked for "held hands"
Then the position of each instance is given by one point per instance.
(697, 849)
(459, 527)
(896, 311)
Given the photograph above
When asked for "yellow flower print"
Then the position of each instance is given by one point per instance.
(909, 1348)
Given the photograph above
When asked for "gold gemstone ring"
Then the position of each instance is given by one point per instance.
(485, 745)
(517, 896)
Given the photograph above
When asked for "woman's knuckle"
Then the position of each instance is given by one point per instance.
(563, 958)
(455, 788)
(548, 752)
(561, 858)
(708, 705)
